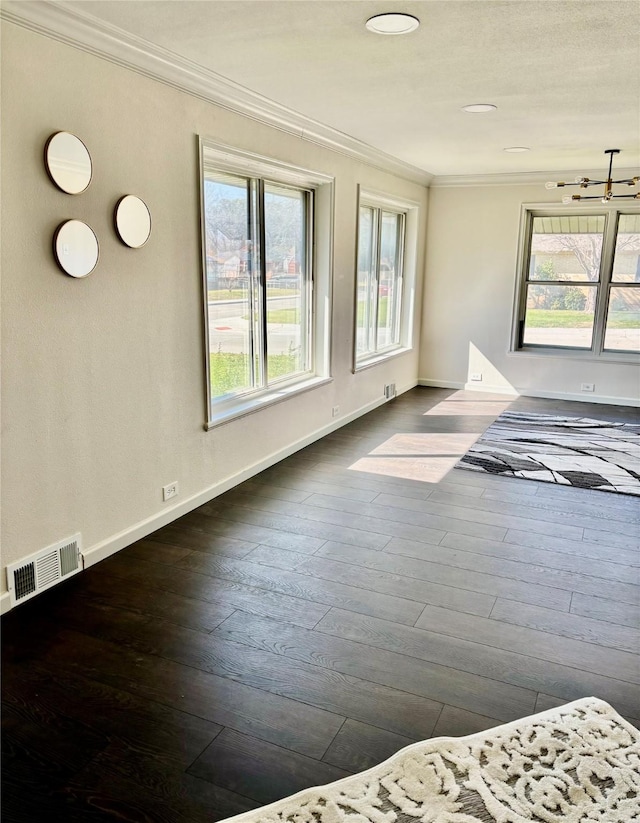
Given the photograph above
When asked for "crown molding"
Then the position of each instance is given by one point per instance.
(532, 178)
(60, 21)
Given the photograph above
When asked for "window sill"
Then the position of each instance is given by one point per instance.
(380, 358)
(239, 407)
(629, 358)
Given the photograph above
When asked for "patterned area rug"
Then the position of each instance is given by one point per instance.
(579, 763)
(573, 451)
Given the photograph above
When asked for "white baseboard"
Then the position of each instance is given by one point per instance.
(508, 391)
(125, 538)
(440, 384)
(460, 386)
(113, 544)
(581, 397)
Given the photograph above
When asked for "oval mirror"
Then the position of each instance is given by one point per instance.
(68, 162)
(76, 248)
(133, 221)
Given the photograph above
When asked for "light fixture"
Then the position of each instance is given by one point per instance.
(392, 23)
(516, 149)
(479, 108)
(608, 195)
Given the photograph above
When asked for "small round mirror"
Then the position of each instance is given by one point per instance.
(68, 162)
(133, 221)
(76, 248)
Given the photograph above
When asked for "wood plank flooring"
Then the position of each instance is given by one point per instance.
(350, 600)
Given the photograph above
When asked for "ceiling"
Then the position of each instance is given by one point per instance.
(564, 74)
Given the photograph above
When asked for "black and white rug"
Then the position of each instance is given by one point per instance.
(572, 451)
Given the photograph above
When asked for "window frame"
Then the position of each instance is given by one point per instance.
(611, 213)
(406, 253)
(258, 170)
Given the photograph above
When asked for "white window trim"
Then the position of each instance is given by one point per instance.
(527, 213)
(410, 209)
(214, 156)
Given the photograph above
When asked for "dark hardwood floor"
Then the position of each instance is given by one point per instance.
(356, 597)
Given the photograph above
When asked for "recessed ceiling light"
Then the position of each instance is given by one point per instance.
(478, 108)
(392, 23)
(517, 149)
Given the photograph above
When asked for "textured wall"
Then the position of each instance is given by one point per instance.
(472, 240)
(103, 387)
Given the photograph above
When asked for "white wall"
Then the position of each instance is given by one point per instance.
(472, 240)
(103, 387)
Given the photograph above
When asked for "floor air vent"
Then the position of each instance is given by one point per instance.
(44, 569)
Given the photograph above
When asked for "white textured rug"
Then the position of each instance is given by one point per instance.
(579, 763)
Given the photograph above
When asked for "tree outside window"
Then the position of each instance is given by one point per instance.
(582, 284)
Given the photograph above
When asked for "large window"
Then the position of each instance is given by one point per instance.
(580, 283)
(380, 323)
(260, 278)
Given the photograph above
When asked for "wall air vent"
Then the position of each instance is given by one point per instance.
(390, 391)
(44, 569)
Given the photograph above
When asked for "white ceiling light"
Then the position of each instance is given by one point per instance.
(479, 108)
(392, 23)
(517, 149)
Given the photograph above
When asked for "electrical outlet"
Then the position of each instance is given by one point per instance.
(170, 491)
(587, 387)
(335, 411)
(476, 377)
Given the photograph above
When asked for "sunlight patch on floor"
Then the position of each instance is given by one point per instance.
(414, 456)
(425, 469)
(421, 444)
(464, 407)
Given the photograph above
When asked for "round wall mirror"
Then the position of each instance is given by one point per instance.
(68, 162)
(133, 221)
(76, 248)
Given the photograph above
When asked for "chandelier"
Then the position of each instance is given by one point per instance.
(585, 183)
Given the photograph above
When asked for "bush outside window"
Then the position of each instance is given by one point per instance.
(580, 283)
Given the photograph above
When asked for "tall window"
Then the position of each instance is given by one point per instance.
(380, 280)
(622, 322)
(258, 240)
(580, 287)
